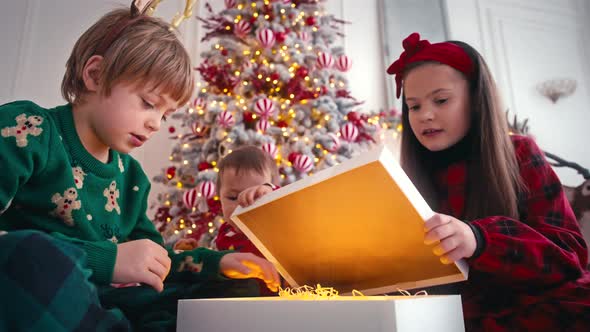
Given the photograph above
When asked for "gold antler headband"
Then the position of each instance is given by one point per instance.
(178, 18)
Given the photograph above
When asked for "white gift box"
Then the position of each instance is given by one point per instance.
(342, 314)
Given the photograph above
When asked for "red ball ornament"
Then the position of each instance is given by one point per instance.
(224, 52)
(171, 172)
(203, 165)
(323, 90)
(310, 20)
(301, 72)
(282, 124)
(280, 37)
(171, 130)
(274, 76)
(248, 117)
(352, 116)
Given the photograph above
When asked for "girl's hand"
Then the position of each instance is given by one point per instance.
(247, 265)
(250, 195)
(454, 239)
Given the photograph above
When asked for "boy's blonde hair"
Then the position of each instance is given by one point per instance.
(248, 158)
(146, 52)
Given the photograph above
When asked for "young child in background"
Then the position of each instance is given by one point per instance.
(501, 206)
(74, 203)
(245, 175)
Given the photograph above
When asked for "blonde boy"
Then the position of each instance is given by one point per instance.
(69, 182)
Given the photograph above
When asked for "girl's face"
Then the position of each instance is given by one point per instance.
(438, 102)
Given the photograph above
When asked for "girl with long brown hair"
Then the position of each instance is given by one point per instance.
(500, 205)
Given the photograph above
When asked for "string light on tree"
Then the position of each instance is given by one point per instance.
(271, 78)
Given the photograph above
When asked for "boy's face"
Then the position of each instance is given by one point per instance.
(129, 116)
(233, 183)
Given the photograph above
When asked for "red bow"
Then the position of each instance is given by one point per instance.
(416, 50)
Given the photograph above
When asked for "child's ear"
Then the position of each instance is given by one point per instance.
(91, 73)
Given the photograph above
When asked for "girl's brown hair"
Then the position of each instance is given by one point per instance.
(494, 182)
(146, 53)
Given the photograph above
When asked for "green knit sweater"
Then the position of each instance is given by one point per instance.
(50, 182)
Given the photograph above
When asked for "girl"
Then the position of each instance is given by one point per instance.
(501, 206)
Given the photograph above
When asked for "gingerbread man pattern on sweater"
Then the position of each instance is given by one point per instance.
(25, 126)
(51, 183)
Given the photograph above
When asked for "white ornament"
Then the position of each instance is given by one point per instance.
(266, 37)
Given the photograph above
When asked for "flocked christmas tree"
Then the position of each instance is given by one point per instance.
(271, 79)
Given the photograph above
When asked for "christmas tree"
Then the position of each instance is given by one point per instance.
(271, 79)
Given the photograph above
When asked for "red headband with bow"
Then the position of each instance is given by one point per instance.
(416, 50)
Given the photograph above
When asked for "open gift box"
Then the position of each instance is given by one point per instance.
(356, 226)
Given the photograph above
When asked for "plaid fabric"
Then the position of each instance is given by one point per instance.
(45, 287)
(151, 311)
(531, 274)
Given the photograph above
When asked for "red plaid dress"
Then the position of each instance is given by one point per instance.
(531, 274)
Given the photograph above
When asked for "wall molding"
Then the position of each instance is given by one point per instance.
(26, 43)
(493, 17)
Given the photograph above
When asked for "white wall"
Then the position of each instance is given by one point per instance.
(36, 43)
(527, 42)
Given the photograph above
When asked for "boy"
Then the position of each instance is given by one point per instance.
(245, 175)
(67, 174)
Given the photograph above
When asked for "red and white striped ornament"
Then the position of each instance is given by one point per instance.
(304, 36)
(271, 149)
(303, 163)
(230, 4)
(266, 37)
(349, 132)
(225, 119)
(343, 63)
(207, 189)
(189, 198)
(265, 108)
(336, 142)
(242, 28)
(262, 125)
(324, 60)
(199, 103)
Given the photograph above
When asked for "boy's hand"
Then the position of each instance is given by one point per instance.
(455, 238)
(250, 195)
(186, 244)
(141, 261)
(247, 265)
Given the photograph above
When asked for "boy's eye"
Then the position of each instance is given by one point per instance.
(146, 104)
(414, 107)
(232, 198)
(441, 101)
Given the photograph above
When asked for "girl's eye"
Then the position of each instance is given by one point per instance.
(414, 108)
(232, 198)
(441, 101)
